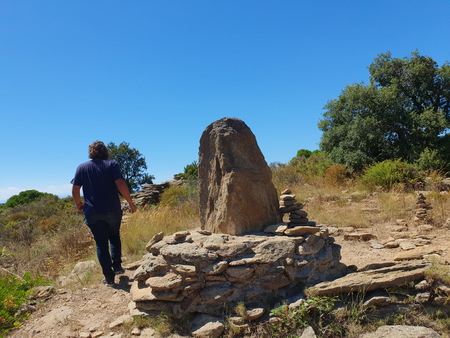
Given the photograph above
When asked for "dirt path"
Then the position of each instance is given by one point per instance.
(87, 312)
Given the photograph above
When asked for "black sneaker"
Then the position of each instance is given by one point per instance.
(108, 282)
(119, 271)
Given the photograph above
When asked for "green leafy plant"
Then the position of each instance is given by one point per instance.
(13, 294)
(388, 174)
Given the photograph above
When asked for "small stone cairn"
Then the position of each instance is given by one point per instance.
(422, 206)
(297, 216)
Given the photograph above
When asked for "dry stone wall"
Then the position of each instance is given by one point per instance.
(201, 272)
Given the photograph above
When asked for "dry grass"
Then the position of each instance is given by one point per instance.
(141, 226)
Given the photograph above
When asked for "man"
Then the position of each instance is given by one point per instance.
(102, 180)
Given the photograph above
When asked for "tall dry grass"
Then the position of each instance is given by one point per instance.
(177, 211)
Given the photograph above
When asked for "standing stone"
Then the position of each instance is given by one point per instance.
(237, 195)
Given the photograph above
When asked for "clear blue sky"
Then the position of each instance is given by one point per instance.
(156, 73)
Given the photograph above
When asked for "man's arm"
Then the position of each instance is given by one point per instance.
(123, 189)
(77, 196)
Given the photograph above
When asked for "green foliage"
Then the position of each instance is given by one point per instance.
(25, 197)
(315, 311)
(313, 166)
(190, 171)
(176, 195)
(132, 163)
(304, 153)
(388, 174)
(404, 110)
(13, 294)
(432, 160)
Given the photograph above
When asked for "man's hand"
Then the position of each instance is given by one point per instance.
(80, 206)
(133, 207)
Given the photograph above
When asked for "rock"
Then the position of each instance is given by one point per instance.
(391, 331)
(376, 301)
(407, 245)
(42, 292)
(393, 274)
(79, 273)
(417, 253)
(362, 236)
(205, 326)
(422, 297)
(125, 319)
(308, 333)
(237, 195)
(376, 246)
(422, 286)
(136, 332)
(158, 237)
(302, 230)
(253, 314)
(277, 229)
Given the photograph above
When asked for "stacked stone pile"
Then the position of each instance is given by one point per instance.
(422, 206)
(150, 194)
(297, 216)
(201, 272)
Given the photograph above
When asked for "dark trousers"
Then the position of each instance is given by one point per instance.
(106, 230)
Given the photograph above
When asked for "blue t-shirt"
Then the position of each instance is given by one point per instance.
(97, 177)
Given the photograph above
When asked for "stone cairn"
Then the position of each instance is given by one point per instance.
(297, 216)
(241, 253)
(200, 272)
(150, 193)
(422, 206)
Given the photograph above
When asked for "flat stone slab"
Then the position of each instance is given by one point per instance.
(302, 230)
(417, 253)
(391, 331)
(392, 274)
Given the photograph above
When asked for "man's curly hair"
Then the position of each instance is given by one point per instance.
(98, 151)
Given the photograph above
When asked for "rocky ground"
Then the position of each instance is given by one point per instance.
(97, 310)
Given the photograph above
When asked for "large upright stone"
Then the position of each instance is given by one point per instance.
(237, 195)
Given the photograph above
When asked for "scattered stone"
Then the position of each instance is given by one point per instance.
(407, 245)
(253, 314)
(389, 275)
(80, 272)
(355, 236)
(376, 301)
(136, 332)
(391, 331)
(205, 326)
(422, 286)
(422, 297)
(237, 195)
(42, 292)
(416, 253)
(308, 333)
(125, 319)
(391, 245)
(376, 246)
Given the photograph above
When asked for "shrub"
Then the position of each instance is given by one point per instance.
(388, 174)
(14, 293)
(190, 171)
(335, 175)
(431, 160)
(25, 197)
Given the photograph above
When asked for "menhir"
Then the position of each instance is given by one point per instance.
(237, 195)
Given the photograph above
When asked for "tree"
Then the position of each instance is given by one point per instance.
(403, 111)
(190, 171)
(132, 163)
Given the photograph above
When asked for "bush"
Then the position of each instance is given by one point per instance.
(388, 174)
(25, 197)
(335, 175)
(431, 160)
(14, 293)
(190, 171)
